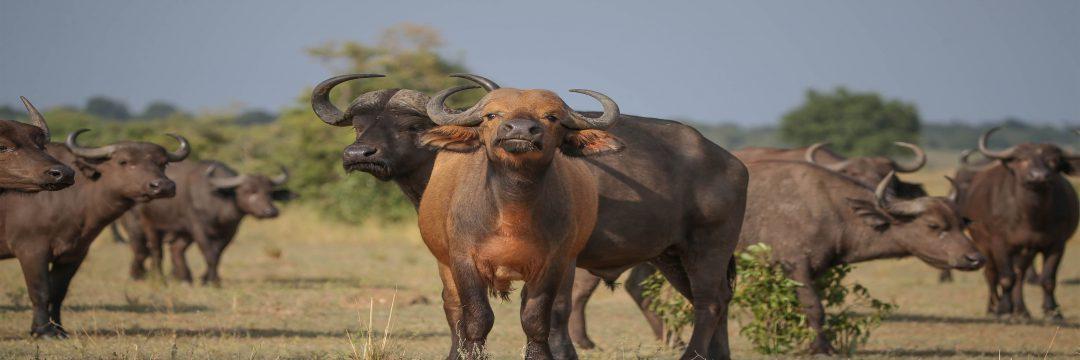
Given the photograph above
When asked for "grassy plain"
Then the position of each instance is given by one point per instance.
(302, 287)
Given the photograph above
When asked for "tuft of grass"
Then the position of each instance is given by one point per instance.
(369, 348)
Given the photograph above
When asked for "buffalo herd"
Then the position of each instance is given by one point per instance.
(521, 187)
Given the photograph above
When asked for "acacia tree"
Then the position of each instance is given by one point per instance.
(856, 123)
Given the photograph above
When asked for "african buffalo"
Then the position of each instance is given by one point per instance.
(210, 202)
(815, 219)
(508, 200)
(1022, 205)
(24, 164)
(671, 197)
(56, 228)
(867, 169)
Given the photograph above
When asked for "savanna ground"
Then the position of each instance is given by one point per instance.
(301, 287)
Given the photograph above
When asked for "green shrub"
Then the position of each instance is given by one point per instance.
(777, 324)
(848, 319)
(673, 309)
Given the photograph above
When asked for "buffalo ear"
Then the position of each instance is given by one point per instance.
(870, 214)
(590, 142)
(88, 170)
(283, 195)
(451, 138)
(1071, 167)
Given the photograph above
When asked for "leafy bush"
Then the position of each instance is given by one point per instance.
(673, 309)
(848, 321)
(778, 324)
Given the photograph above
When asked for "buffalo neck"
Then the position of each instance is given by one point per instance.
(98, 204)
(517, 185)
(862, 242)
(413, 183)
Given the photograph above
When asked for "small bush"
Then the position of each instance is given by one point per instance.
(848, 320)
(676, 313)
(778, 324)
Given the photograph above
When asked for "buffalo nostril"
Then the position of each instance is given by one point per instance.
(534, 129)
(975, 258)
(55, 173)
(155, 184)
(369, 152)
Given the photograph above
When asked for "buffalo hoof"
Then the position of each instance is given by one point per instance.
(50, 332)
(945, 277)
(585, 344)
(1055, 316)
(822, 348)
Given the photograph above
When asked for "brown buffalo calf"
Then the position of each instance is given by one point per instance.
(508, 200)
(50, 232)
(24, 164)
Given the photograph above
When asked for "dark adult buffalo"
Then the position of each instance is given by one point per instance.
(815, 219)
(671, 197)
(210, 202)
(1022, 205)
(24, 164)
(510, 200)
(867, 169)
(56, 228)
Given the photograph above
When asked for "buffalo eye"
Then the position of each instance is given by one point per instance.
(934, 226)
(5, 148)
(552, 118)
(491, 116)
(123, 162)
(417, 127)
(965, 221)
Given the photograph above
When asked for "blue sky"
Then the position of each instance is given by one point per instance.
(745, 62)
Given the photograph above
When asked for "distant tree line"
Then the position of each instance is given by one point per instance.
(257, 140)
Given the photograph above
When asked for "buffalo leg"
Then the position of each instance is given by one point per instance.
(559, 338)
(211, 250)
(178, 249)
(815, 312)
(1048, 280)
(452, 308)
(1006, 280)
(537, 301)
(633, 287)
(59, 280)
(153, 244)
(1021, 263)
(476, 315)
(585, 284)
(139, 248)
(35, 268)
(945, 276)
(990, 273)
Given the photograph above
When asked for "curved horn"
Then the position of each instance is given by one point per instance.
(320, 98)
(920, 158)
(578, 121)
(181, 153)
(90, 153)
(440, 114)
(227, 182)
(281, 178)
(881, 191)
(954, 192)
(964, 155)
(35, 117)
(812, 150)
(999, 155)
(482, 81)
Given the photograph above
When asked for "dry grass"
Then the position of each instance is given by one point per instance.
(293, 288)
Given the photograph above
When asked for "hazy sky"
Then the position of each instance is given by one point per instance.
(746, 62)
